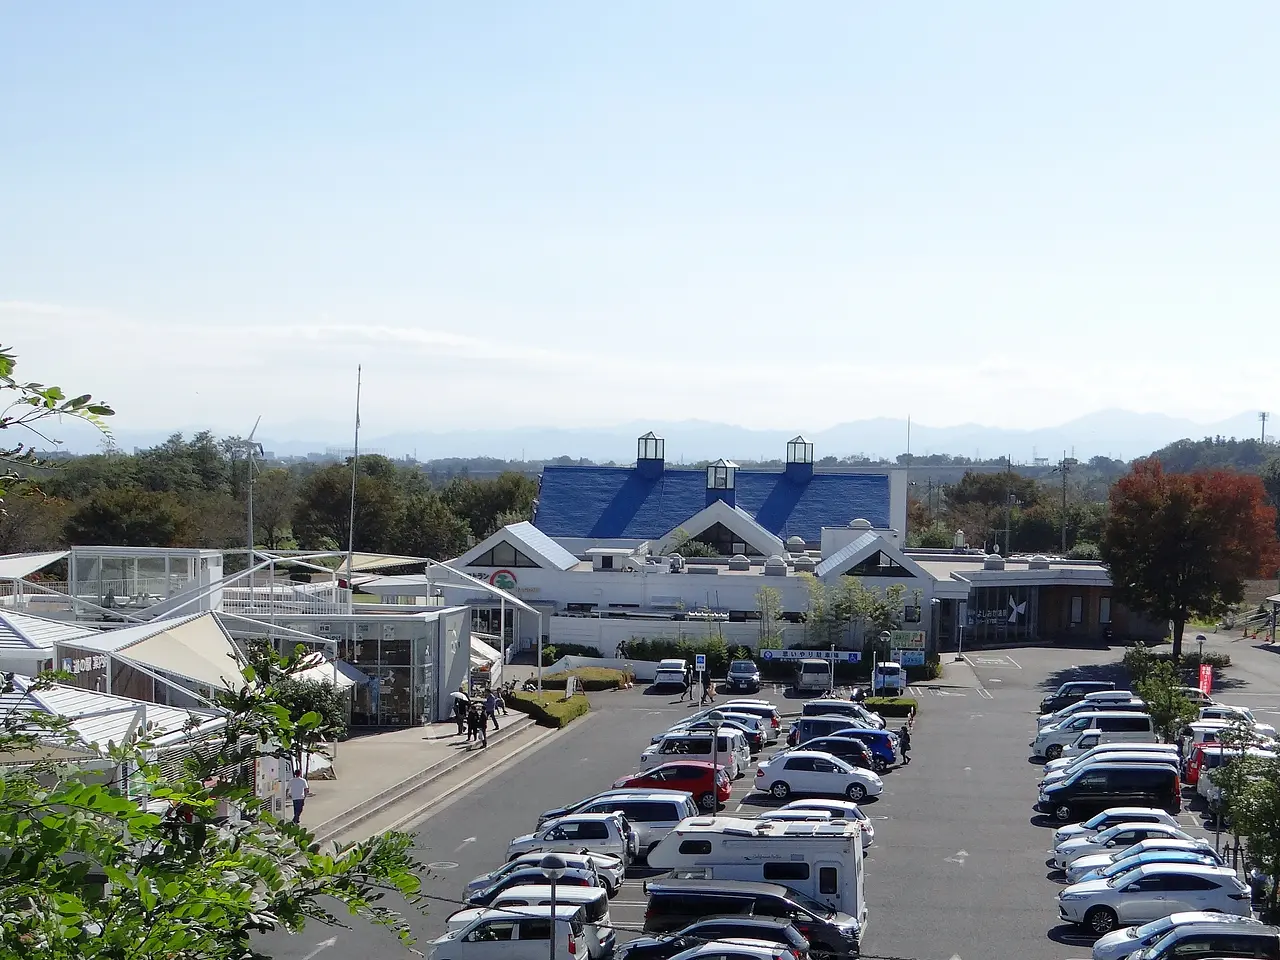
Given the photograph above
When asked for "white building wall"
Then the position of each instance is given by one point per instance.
(604, 633)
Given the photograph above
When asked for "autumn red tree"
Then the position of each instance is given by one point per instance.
(1182, 544)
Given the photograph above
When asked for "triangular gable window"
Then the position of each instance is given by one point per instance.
(725, 542)
(878, 564)
(503, 555)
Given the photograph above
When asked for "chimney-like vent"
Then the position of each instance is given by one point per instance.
(993, 561)
(775, 566)
(1038, 563)
(739, 562)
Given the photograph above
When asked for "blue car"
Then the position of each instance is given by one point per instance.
(1151, 856)
(882, 745)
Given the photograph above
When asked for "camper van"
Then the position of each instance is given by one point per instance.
(822, 860)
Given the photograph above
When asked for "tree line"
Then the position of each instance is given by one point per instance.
(194, 493)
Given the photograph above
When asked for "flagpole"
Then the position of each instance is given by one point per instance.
(351, 522)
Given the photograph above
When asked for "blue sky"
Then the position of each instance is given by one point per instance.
(582, 213)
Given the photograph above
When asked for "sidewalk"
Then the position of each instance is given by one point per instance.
(376, 770)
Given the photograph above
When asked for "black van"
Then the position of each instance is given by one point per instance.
(1071, 692)
(674, 904)
(1112, 785)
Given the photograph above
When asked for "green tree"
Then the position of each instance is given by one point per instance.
(769, 605)
(128, 518)
(1255, 815)
(1270, 475)
(686, 546)
(275, 496)
(32, 522)
(175, 889)
(428, 528)
(482, 502)
(1169, 708)
(1181, 545)
(324, 508)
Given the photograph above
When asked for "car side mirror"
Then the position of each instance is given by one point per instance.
(1111, 843)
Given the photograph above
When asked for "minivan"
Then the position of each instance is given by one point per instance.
(674, 904)
(882, 744)
(501, 935)
(834, 707)
(730, 749)
(653, 815)
(598, 925)
(813, 675)
(1071, 691)
(808, 728)
(1135, 756)
(1195, 941)
(1125, 701)
(1122, 725)
(1112, 785)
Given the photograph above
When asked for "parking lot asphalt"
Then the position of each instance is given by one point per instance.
(957, 868)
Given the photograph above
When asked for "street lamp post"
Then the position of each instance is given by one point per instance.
(553, 867)
(1200, 638)
(715, 716)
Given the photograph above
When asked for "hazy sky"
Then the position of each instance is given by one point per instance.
(777, 215)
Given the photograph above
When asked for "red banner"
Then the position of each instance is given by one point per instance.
(1206, 679)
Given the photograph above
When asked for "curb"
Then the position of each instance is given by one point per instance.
(368, 808)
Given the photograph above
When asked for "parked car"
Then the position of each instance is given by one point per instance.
(1123, 725)
(1165, 845)
(1100, 700)
(608, 870)
(1151, 892)
(809, 772)
(1214, 759)
(1200, 940)
(743, 675)
(602, 832)
(597, 924)
(501, 935)
(708, 784)
(845, 809)
(670, 673)
(848, 749)
(1222, 711)
(674, 904)
(883, 745)
(556, 813)
(738, 949)
(750, 727)
(718, 928)
(651, 815)
(813, 676)
(1114, 838)
(1071, 691)
(522, 877)
(1100, 751)
(1082, 871)
(728, 747)
(1196, 696)
(835, 707)
(1119, 944)
(1109, 818)
(1111, 785)
(763, 709)
(1130, 757)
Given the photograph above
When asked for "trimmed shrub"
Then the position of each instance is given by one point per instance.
(551, 710)
(592, 679)
(896, 707)
(553, 652)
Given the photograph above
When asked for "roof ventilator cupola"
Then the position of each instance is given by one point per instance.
(1038, 563)
(804, 564)
(721, 481)
(860, 524)
(650, 453)
(799, 467)
(775, 566)
(739, 562)
(993, 561)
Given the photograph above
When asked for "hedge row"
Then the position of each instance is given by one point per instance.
(551, 710)
(591, 678)
(896, 707)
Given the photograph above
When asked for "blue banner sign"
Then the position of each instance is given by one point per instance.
(841, 656)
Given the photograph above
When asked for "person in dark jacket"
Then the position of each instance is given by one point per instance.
(904, 742)
(460, 715)
(688, 683)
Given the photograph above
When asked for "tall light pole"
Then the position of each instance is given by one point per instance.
(553, 867)
(716, 718)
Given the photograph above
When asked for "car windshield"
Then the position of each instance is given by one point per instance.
(813, 906)
(1096, 821)
(1153, 928)
(742, 666)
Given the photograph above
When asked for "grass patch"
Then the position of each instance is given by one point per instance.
(550, 710)
(897, 707)
(592, 679)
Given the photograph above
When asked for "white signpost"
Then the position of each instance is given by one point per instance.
(700, 662)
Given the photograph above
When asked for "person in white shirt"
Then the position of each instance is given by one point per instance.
(298, 794)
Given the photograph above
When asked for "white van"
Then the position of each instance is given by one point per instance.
(594, 901)
(813, 675)
(502, 935)
(1215, 757)
(1122, 725)
(731, 749)
(1094, 744)
(821, 860)
(889, 679)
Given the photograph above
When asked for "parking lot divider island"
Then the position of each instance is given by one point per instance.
(592, 679)
(551, 709)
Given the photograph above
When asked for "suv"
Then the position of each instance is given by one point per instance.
(1193, 941)
(597, 832)
(766, 711)
(717, 928)
(730, 749)
(559, 812)
(1118, 725)
(674, 904)
(522, 936)
(1124, 943)
(651, 815)
(832, 707)
(1153, 891)
(743, 675)
(848, 749)
(1071, 691)
(1111, 785)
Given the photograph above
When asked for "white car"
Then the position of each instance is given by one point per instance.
(609, 870)
(839, 809)
(1222, 711)
(1119, 944)
(809, 772)
(1135, 757)
(738, 949)
(501, 935)
(1165, 849)
(670, 673)
(1113, 838)
(763, 709)
(730, 749)
(596, 832)
(1151, 892)
(1100, 751)
(1109, 818)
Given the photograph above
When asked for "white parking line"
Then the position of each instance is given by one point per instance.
(1014, 662)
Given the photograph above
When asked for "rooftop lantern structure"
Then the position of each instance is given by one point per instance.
(800, 460)
(650, 454)
(721, 480)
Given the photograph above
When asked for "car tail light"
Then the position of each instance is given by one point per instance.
(759, 771)
(573, 944)
(776, 721)
(1238, 896)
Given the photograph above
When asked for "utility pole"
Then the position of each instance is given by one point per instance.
(1008, 501)
(1263, 416)
(1064, 468)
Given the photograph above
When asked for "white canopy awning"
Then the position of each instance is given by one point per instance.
(482, 650)
(16, 566)
(337, 672)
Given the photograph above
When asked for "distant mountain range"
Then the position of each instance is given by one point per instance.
(1114, 433)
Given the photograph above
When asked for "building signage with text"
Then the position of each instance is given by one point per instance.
(842, 656)
(906, 639)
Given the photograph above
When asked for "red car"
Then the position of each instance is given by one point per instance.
(691, 776)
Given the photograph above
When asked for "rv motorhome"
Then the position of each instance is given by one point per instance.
(822, 860)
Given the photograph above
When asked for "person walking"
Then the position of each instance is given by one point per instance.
(460, 715)
(491, 709)
(297, 791)
(904, 742)
(688, 684)
(473, 723)
(707, 691)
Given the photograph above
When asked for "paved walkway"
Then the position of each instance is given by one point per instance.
(369, 765)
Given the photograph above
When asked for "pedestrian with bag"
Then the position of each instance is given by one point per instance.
(904, 742)
(460, 714)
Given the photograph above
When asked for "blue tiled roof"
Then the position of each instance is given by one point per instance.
(617, 502)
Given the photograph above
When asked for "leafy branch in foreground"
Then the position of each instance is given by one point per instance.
(112, 859)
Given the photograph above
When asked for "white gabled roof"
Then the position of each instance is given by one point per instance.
(196, 648)
(16, 566)
(20, 631)
(734, 518)
(100, 717)
(529, 540)
(853, 553)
